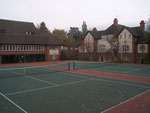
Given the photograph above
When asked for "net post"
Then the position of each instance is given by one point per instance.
(24, 72)
(73, 65)
(68, 66)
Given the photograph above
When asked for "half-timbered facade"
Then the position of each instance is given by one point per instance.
(130, 43)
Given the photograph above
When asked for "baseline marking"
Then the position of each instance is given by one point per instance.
(99, 79)
(136, 69)
(48, 87)
(13, 103)
(104, 70)
(124, 101)
(103, 79)
(34, 78)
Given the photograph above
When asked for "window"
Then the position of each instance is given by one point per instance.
(120, 36)
(29, 32)
(104, 37)
(112, 47)
(129, 35)
(38, 48)
(125, 48)
(102, 48)
(9, 47)
(53, 47)
(2, 30)
(53, 57)
(81, 49)
(89, 48)
(125, 35)
(125, 59)
(24, 47)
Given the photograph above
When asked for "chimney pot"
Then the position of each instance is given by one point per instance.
(142, 25)
(94, 29)
(115, 21)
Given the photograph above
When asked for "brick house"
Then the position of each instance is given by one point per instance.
(22, 42)
(71, 48)
(130, 42)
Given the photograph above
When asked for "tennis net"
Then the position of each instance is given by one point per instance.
(86, 65)
(31, 70)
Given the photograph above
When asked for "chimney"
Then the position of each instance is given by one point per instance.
(142, 25)
(94, 29)
(115, 21)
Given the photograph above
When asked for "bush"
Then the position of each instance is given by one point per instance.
(84, 57)
(146, 58)
(120, 61)
(63, 55)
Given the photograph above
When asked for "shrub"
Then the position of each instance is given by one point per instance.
(120, 61)
(146, 58)
(63, 55)
(84, 57)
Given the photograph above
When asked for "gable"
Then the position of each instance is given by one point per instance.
(89, 38)
(126, 34)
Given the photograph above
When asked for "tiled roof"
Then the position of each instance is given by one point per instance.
(114, 29)
(97, 34)
(16, 34)
(17, 27)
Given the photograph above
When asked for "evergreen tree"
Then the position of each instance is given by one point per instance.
(74, 33)
(42, 27)
(84, 28)
(148, 25)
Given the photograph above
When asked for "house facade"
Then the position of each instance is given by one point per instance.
(22, 42)
(117, 41)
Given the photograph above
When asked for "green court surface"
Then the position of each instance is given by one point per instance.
(129, 69)
(47, 91)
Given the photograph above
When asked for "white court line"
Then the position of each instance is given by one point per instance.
(34, 78)
(63, 73)
(13, 103)
(89, 78)
(140, 74)
(124, 83)
(124, 102)
(48, 87)
(136, 69)
(103, 64)
(118, 72)
(77, 82)
(102, 79)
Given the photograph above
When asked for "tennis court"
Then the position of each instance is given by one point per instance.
(52, 88)
(138, 70)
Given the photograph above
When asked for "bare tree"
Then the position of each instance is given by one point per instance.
(89, 48)
(115, 48)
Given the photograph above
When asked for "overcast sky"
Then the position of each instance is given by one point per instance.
(63, 14)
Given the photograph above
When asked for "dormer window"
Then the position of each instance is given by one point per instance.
(2, 30)
(29, 32)
(26, 32)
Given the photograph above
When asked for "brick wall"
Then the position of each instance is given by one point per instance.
(48, 57)
(0, 54)
(139, 55)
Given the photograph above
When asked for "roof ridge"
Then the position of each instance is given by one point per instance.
(7, 20)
